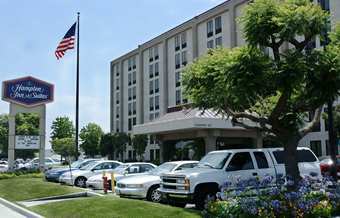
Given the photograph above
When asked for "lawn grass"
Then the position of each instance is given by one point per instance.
(110, 206)
(19, 189)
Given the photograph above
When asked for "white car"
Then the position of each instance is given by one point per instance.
(3, 166)
(34, 164)
(146, 186)
(127, 169)
(79, 177)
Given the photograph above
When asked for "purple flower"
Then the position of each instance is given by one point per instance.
(275, 204)
(291, 196)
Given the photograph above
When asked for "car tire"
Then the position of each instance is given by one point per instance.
(80, 182)
(154, 195)
(202, 199)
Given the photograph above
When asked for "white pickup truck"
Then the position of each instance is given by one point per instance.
(196, 185)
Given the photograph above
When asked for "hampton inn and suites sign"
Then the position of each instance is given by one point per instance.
(27, 91)
(27, 95)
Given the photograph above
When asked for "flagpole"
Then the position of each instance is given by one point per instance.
(77, 91)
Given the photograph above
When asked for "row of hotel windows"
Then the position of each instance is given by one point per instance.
(154, 154)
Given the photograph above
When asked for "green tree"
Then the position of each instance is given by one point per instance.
(90, 136)
(107, 145)
(62, 128)
(139, 143)
(65, 147)
(3, 134)
(271, 93)
(120, 141)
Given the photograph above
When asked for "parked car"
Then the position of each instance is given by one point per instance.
(34, 164)
(3, 166)
(325, 165)
(53, 174)
(80, 176)
(197, 185)
(146, 186)
(127, 169)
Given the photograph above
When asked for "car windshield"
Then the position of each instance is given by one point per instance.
(164, 168)
(89, 166)
(76, 164)
(121, 169)
(214, 160)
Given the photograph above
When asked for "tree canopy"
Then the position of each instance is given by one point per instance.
(139, 143)
(90, 136)
(273, 90)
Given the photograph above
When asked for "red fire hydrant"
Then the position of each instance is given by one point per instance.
(105, 184)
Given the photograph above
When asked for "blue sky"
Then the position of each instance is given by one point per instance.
(31, 30)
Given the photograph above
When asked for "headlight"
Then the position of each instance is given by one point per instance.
(181, 181)
(134, 185)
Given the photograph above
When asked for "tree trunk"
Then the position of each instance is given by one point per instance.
(291, 161)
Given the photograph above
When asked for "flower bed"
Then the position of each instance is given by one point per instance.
(263, 198)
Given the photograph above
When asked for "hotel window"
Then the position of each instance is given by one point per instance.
(316, 147)
(130, 94)
(178, 78)
(156, 115)
(129, 79)
(117, 84)
(177, 43)
(210, 28)
(134, 121)
(134, 92)
(218, 25)
(150, 54)
(156, 69)
(156, 52)
(151, 71)
(134, 77)
(151, 117)
(156, 85)
(130, 109)
(151, 103)
(184, 39)
(116, 69)
(130, 154)
(151, 87)
(134, 62)
(117, 112)
(157, 102)
(178, 97)
(185, 100)
(134, 154)
(117, 126)
(177, 60)
(130, 125)
(184, 58)
(218, 42)
(134, 108)
(129, 64)
(117, 98)
(157, 154)
(210, 44)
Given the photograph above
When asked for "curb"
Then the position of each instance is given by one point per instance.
(20, 210)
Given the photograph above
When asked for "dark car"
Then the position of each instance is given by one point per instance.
(325, 164)
(53, 175)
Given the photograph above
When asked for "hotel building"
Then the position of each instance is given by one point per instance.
(146, 91)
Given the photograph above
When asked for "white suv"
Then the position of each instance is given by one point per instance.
(198, 184)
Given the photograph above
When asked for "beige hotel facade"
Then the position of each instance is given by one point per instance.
(146, 93)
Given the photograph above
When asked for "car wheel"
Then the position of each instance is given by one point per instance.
(154, 195)
(203, 199)
(80, 182)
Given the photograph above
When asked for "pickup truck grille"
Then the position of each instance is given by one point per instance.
(174, 183)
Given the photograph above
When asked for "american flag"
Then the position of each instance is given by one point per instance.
(67, 42)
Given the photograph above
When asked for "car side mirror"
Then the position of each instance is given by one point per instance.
(126, 172)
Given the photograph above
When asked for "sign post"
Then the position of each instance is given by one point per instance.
(27, 95)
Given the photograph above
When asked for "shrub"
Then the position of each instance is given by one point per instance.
(261, 198)
(21, 174)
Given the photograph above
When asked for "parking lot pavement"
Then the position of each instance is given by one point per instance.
(7, 212)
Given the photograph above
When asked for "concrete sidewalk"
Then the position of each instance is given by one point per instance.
(9, 213)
